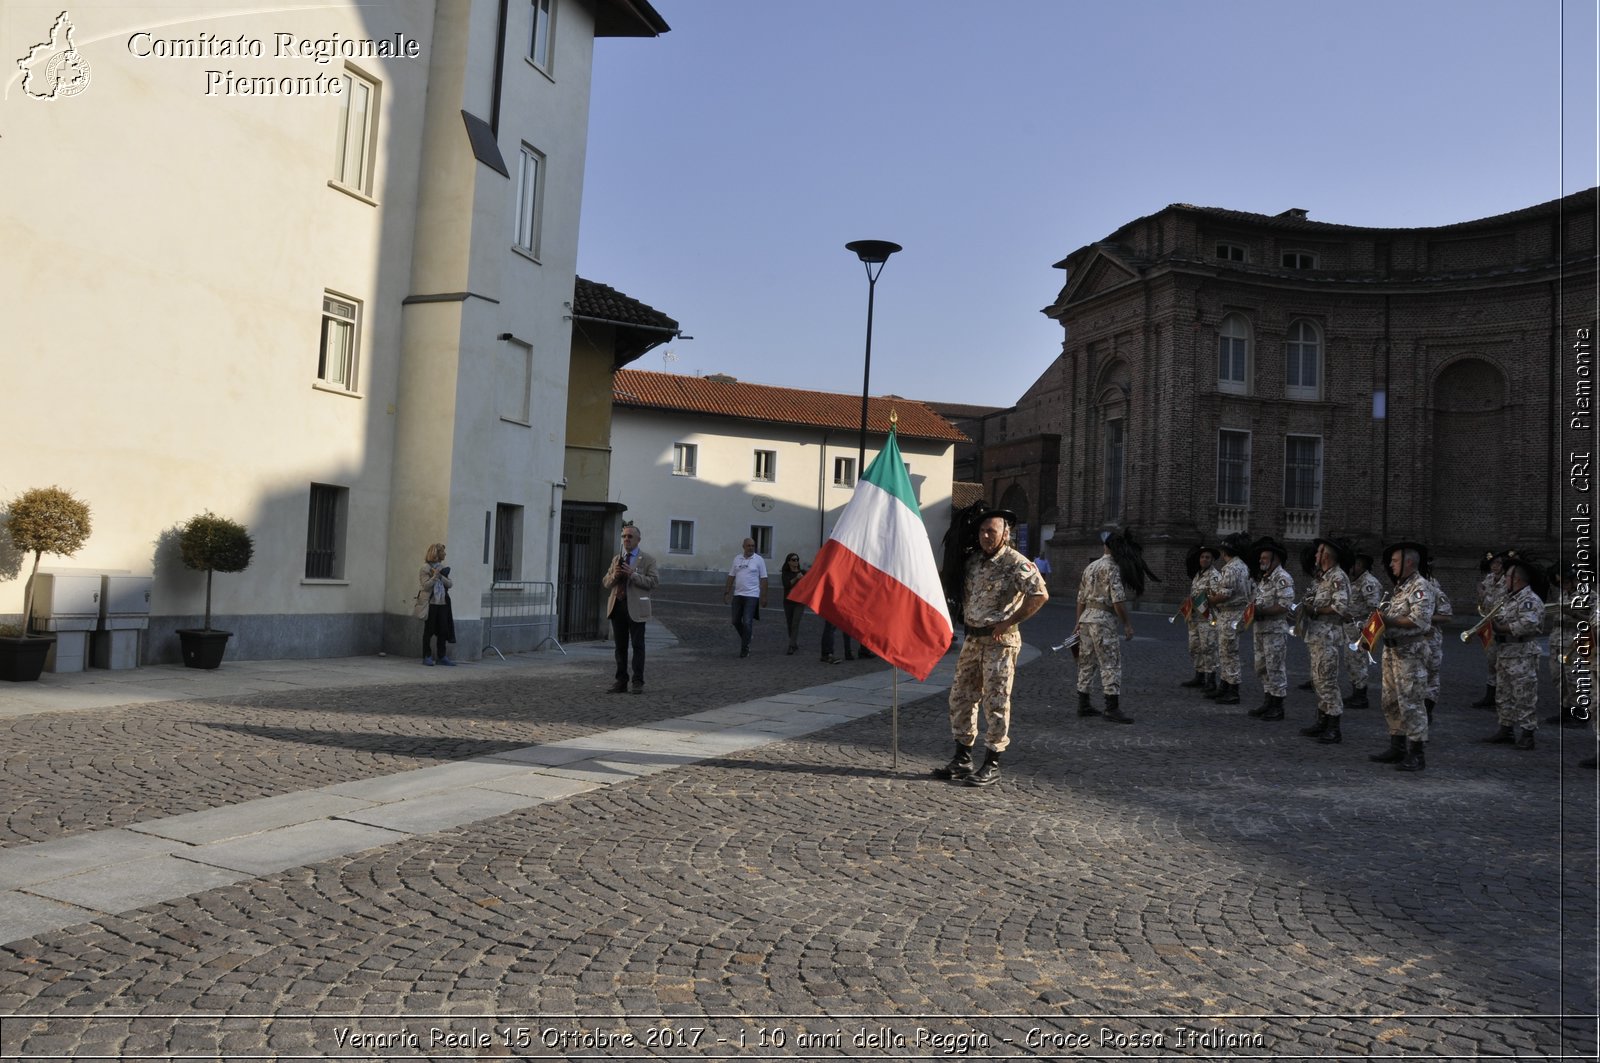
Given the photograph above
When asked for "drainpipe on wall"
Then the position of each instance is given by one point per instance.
(822, 488)
(552, 562)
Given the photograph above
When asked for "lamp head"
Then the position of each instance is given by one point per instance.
(873, 252)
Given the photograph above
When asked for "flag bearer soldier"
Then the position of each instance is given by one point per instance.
(1274, 597)
(1491, 592)
(1365, 594)
(1230, 593)
(1327, 613)
(1002, 589)
(1408, 621)
(1516, 632)
(1202, 635)
(1102, 602)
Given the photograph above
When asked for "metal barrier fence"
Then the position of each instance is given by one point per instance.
(516, 612)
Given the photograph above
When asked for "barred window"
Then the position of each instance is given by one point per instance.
(1233, 468)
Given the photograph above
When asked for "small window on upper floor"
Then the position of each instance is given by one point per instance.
(1232, 253)
(1299, 260)
(680, 538)
(541, 45)
(685, 458)
(766, 465)
(844, 472)
(530, 197)
(358, 128)
(336, 355)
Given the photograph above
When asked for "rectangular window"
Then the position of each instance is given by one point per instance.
(507, 542)
(1231, 253)
(1114, 459)
(681, 540)
(1233, 468)
(541, 43)
(1302, 472)
(358, 126)
(766, 465)
(1299, 260)
(844, 472)
(762, 534)
(685, 457)
(513, 380)
(529, 200)
(336, 357)
(325, 532)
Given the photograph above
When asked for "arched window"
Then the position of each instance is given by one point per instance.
(1302, 348)
(1233, 355)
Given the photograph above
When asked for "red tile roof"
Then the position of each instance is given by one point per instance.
(723, 396)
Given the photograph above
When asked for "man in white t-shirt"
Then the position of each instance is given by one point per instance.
(745, 589)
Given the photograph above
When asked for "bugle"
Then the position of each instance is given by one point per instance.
(1068, 643)
(1467, 635)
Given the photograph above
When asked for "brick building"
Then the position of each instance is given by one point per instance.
(1226, 371)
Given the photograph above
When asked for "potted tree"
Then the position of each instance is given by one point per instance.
(211, 544)
(45, 520)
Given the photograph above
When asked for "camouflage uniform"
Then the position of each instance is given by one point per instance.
(1326, 638)
(1517, 666)
(1202, 636)
(1099, 641)
(1271, 634)
(995, 589)
(1234, 580)
(1442, 610)
(1491, 590)
(1365, 594)
(1405, 664)
(1562, 633)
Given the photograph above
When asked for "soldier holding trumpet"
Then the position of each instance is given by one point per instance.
(1408, 623)
(1325, 617)
(1202, 630)
(1274, 598)
(1517, 624)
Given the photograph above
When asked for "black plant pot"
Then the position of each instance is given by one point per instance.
(22, 657)
(203, 647)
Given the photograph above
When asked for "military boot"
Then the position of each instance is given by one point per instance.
(1262, 709)
(1502, 736)
(1316, 729)
(1199, 680)
(1211, 685)
(1357, 699)
(1487, 701)
(1229, 694)
(1274, 708)
(1331, 735)
(1114, 709)
(1396, 753)
(1414, 760)
(1084, 707)
(989, 773)
(960, 765)
(1525, 738)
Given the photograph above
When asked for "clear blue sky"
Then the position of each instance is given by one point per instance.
(731, 159)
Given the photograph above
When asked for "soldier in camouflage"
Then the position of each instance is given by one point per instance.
(1230, 593)
(1003, 588)
(1516, 632)
(1442, 612)
(1365, 594)
(1491, 592)
(1202, 634)
(1102, 602)
(1327, 614)
(1274, 597)
(1408, 621)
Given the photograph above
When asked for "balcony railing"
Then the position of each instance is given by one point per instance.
(1232, 519)
(1300, 525)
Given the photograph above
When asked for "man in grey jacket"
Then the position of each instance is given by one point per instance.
(630, 579)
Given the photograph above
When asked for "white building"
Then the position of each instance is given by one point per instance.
(702, 462)
(304, 265)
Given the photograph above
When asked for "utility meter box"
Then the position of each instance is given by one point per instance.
(67, 604)
(124, 614)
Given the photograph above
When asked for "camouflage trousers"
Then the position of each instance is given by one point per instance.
(1325, 644)
(1228, 666)
(1435, 658)
(1355, 661)
(1203, 646)
(1493, 653)
(1405, 682)
(1272, 662)
(1099, 653)
(983, 680)
(1516, 699)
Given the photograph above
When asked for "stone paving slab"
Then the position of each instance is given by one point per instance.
(71, 856)
(249, 817)
(122, 887)
(422, 782)
(286, 847)
(23, 915)
(541, 785)
(441, 811)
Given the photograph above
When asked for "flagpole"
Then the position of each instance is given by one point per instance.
(894, 723)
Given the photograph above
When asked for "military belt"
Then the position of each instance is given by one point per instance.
(971, 631)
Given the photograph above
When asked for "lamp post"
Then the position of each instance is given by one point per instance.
(873, 254)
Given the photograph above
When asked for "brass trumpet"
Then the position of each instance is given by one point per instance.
(1466, 636)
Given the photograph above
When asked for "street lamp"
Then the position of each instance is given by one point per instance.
(873, 254)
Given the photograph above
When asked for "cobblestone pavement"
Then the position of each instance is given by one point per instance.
(1200, 883)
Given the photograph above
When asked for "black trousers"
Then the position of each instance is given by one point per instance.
(433, 629)
(624, 629)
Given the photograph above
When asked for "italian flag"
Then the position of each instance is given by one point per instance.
(876, 579)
